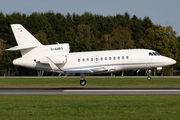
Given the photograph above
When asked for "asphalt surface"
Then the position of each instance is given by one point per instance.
(89, 91)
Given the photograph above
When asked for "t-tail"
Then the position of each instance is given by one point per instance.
(25, 40)
(35, 55)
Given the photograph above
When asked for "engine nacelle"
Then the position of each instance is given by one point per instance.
(57, 59)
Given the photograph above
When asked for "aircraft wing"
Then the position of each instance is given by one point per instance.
(99, 69)
(87, 70)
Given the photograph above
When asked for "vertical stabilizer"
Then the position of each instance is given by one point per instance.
(23, 37)
(25, 40)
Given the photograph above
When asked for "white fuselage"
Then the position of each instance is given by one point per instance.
(109, 60)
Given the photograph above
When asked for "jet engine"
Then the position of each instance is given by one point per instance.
(56, 59)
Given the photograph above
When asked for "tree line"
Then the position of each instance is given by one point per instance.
(87, 32)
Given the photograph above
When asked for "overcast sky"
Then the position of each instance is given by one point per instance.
(163, 12)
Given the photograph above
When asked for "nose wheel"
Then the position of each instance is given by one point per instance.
(149, 78)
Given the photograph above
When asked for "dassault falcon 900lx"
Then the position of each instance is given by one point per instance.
(56, 58)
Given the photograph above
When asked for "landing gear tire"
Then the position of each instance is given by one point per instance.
(148, 78)
(82, 82)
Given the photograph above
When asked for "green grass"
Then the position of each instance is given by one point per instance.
(91, 82)
(64, 107)
(89, 107)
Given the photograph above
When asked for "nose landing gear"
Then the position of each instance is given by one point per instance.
(149, 78)
(148, 72)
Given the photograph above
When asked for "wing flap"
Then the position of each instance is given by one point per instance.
(99, 70)
(79, 71)
(87, 70)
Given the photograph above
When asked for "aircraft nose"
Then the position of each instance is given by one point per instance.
(173, 61)
(170, 61)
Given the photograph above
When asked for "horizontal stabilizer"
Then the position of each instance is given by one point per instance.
(21, 47)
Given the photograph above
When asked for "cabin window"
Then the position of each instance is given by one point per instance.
(114, 58)
(101, 59)
(109, 58)
(79, 60)
(127, 57)
(105, 58)
(123, 57)
(87, 59)
(83, 60)
(91, 59)
(118, 58)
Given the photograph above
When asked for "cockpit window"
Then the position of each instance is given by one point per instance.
(150, 54)
(154, 54)
(157, 53)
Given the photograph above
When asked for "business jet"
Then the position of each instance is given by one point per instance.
(58, 58)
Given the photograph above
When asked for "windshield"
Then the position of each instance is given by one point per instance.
(154, 54)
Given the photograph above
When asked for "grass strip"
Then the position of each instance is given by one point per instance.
(91, 82)
(89, 107)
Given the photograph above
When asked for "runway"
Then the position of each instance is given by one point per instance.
(89, 91)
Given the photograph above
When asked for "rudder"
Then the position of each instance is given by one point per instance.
(23, 37)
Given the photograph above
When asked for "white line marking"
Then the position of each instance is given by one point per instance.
(121, 90)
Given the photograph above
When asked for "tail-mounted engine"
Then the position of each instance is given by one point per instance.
(57, 53)
(56, 59)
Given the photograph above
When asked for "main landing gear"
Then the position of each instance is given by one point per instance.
(149, 77)
(82, 80)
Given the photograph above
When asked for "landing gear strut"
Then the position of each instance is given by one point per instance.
(149, 77)
(82, 80)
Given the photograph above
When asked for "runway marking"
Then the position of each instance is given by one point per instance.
(121, 90)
